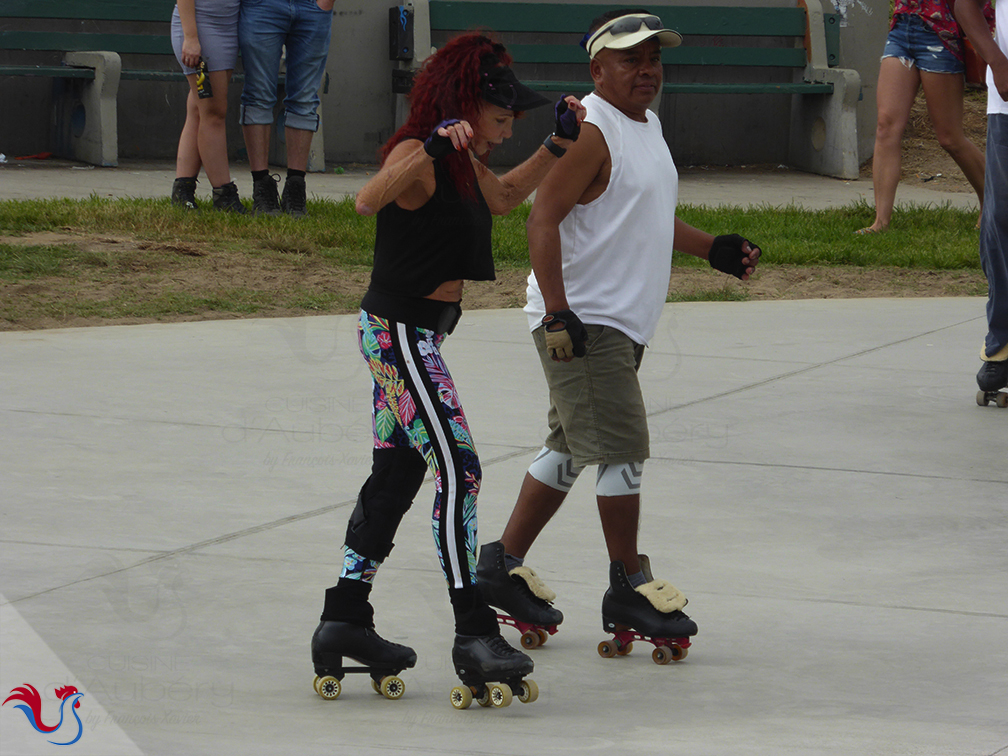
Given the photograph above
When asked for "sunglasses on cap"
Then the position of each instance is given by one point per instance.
(622, 25)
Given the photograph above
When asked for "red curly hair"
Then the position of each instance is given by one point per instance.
(447, 87)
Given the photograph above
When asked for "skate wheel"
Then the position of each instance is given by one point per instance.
(528, 691)
(500, 695)
(375, 686)
(624, 650)
(329, 688)
(530, 639)
(661, 655)
(461, 697)
(543, 636)
(392, 688)
(483, 696)
(679, 653)
(982, 399)
(607, 649)
(315, 683)
(1001, 400)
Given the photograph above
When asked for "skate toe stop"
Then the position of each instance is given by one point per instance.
(664, 596)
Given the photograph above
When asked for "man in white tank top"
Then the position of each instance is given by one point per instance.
(601, 235)
(993, 373)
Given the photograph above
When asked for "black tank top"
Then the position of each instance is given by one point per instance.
(447, 239)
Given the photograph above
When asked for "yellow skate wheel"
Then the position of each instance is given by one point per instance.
(392, 688)
(483, 696)
(530, 639)
(543, 636)
(624, 650)
(329, 688)
(607, 649)
(679, 653)
(315, 683)
(461, 697)
(500, 695)
(528, 692)
(981, 399)
(375, 685)
(1001, 400)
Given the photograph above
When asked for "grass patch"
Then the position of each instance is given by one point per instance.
(19, 263)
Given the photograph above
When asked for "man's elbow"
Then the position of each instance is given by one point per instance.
(363, 207)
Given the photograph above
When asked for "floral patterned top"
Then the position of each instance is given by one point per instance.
(937, 14)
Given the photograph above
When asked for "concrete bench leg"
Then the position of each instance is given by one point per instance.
(95, 138)
(824, 127)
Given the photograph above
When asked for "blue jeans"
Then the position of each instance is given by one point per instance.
(994, 233)
(913, 42)
(266, 26)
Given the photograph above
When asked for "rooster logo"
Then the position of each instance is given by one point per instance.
(32, 709)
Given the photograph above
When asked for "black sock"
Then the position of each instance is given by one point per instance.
(347, 601)
(473, 616)
(260, 175)
(299, 174)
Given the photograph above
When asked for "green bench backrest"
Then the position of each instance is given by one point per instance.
(454, 17)
(86, 10)
(88, 34)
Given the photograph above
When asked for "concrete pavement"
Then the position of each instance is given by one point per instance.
(822, 487)
(55, 178)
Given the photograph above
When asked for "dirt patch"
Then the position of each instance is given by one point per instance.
(203, 282)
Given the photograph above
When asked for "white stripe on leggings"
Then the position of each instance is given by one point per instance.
(447, 491)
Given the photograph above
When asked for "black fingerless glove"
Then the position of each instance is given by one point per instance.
(726, 254)
(565, 335)
(566, 125)
(438, 146)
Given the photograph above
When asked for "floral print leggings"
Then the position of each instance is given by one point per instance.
(416, 406)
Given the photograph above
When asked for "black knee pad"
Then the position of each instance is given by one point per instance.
(386, 496)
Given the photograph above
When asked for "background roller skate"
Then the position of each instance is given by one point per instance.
(651, 613)
(492, 673)
(992, 377)
(521, 596)
(379, 658)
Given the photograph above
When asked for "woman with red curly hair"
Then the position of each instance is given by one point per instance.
(434, 200)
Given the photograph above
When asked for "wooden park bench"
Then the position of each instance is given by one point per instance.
(87, 47)
(788, 51)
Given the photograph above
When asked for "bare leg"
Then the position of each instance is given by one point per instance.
(944, 96)
(298, 146)
(187, 160)
(212, 135)
(897, 87)
(536, 505)
(620, 522)
(257, 137)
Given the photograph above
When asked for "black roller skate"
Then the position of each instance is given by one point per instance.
(381, 659)
(993, 377)
(491, 671)
(651, 613)
(522, 597)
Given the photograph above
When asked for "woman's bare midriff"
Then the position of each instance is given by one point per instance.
(449, 291)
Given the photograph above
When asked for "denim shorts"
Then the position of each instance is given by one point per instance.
(915, 44)
(303, 29)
